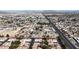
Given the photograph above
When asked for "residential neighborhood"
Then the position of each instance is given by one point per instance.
(39, 30)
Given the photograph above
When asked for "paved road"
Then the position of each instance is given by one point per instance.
(4, 41)
(64, 40)
(31, 43)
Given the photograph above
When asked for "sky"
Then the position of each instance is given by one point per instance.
(39, 4)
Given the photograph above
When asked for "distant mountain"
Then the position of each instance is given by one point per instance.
(20, 11)
(40, 11)
(62, 11)
(3, 12)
